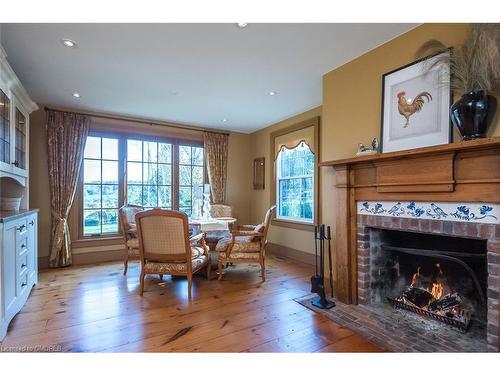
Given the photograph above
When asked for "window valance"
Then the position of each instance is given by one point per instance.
(294, 138)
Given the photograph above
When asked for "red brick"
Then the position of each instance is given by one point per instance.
(465, 229)
(494, 269)
(486, 230)
(424, 225)
(494, 246)
(436, 226)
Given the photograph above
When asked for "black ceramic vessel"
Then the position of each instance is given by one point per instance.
(473, 113)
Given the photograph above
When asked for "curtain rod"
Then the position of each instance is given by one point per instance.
(109, 117)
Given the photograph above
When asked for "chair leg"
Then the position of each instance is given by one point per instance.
(125, 264)
(263, 270)
(161, 277)
(190, 284)
(219, 267)
(142, 281)
(209, 268)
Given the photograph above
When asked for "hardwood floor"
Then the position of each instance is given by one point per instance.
(97, 309)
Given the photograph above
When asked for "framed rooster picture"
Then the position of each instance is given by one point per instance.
(415, 107)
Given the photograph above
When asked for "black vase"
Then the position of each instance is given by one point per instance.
(473, 113)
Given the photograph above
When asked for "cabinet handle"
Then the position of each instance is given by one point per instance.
(23, 285)
(23, 246)
(15, 163)
(21, 228)
(23, 265)
(32, 222)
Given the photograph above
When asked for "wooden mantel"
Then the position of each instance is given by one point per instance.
(457, 172)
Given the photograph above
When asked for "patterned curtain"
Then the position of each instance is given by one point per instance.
(216, 145)
(66, 136)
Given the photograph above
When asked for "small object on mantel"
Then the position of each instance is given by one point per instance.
(371, 150)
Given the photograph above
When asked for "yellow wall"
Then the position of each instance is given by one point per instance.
(352, 97)
(261, 199)
(350, 114)
(238, 179)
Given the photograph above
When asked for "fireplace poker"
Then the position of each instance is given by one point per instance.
(329, 238)
(316, 279)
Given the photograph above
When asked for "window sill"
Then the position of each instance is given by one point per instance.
(97, 241)
(309, 227)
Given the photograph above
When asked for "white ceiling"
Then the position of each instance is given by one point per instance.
(195, 74)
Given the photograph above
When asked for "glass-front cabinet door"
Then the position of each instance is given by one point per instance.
(20, 140)
(5, 138)
(20, 149)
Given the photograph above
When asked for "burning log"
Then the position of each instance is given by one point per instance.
(446, 302)
(418, 296)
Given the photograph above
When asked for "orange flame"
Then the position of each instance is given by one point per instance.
(436, 290)
(415, 277)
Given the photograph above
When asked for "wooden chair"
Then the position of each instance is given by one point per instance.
(129, 232)
(165, 247)
(223, 212)
(246, 245)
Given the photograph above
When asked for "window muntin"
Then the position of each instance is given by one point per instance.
(149, 173)
(116, 164)
(100, 186)
(191, 175)
(295, 184)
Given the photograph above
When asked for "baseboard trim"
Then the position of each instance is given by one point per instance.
(287, 252)
(84, 258)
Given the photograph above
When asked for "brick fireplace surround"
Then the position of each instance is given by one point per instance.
(464, 174)
(489, 232)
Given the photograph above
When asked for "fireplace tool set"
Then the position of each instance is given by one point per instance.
(318, 280)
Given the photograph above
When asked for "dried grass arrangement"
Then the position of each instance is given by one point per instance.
(473, 66)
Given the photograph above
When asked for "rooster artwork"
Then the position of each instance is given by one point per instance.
(408, 107)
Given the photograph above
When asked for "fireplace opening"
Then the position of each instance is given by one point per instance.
(436, 276)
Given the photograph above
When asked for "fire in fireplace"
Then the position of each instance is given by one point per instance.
(431, 296)
(436, 276)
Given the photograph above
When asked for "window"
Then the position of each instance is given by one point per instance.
(295, 183)
(100, 186)
(149, 174)
(295, 154)
(191, 173)
(119, 169)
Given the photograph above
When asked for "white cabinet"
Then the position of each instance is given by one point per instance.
(18, 263)
(15, 108)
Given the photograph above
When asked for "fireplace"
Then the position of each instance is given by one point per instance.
(438, 276)
(417, 191)
(445, 269)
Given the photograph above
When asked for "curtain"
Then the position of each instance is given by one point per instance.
(293, 139)
(216, 145)
(66, 136)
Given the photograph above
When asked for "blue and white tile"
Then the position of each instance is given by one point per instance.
(464, 212)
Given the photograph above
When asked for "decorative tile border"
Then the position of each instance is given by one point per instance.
(463, 212)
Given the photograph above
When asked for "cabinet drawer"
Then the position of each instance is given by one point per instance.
(22, 264)
(22, 283)
(21, 228)
(22, 245)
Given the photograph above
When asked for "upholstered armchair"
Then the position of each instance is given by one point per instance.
(247, 244)
(129, 232)
(223, 212)
(165, 247)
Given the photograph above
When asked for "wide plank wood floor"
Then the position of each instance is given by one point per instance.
(97, 309)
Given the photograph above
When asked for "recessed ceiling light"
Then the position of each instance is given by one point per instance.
(76, 95)
(242, 25)
(272, 93)
(224, 120)
(68, 43)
